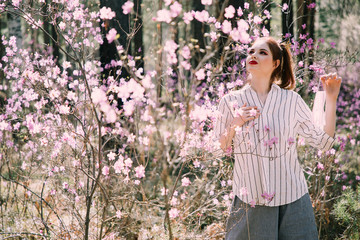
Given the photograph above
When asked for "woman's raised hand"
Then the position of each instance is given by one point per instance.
(331, 83)
(245, 114)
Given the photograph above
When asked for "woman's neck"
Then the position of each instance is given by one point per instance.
(261, 85)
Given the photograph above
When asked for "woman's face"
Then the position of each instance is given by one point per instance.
(260, 59)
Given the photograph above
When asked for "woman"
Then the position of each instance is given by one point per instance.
(262, 121)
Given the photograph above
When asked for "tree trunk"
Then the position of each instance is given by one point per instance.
(2, 78)
(108, 50)
(287, 19)
(302, 25)
(46, 25)
(266, 22)
(197, 31)
(138, 37)
(311, 35)
(14, 27)
(159, 57)
(55, 46)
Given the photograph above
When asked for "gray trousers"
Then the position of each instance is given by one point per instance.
(293, 221)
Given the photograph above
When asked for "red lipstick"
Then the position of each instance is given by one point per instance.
(253, 62)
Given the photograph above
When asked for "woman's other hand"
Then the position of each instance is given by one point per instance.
(331, 83)
(245, 114)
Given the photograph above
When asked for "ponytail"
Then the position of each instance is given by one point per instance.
(286, 68)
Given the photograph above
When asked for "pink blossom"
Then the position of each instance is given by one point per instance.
(118, 214)
(257, 20)
(200, 74)
(186, 65)
(301, 141)
(65, 185)
(111, 35)
(344, 176)
(140, 171)
(16, 3)
(285, 7)
(344, 187)
(106, 13)
(202, 16)
(252, 203)
(24, 165)
(4, 125)
(267, 128)
(242, 25)
(170, 48)
(240, 12)
(128, 162)
(164, 191)
(357, 178)
(185, 52)
(174, 213)
(185, 182)
(127, 7)
(226, 26)
(332, 151)
(119, 166)
(66, 65)
(105, 170)
(253, 112)
(175, 9)
(146, 82)
(327, 178)
(78, 14)
(62, 26)
(163, 15)
(265, 32)
(267, 14)
(188, 17)
(64, 109)
(229, 12)
(243, 191)
(246, 5)
(111, 156)
(167, 2)
(311, 5)
(274, 140)
(98, 96)
(206, 2)
(197, 164)
(54, 94)
(213, 36)
(320, 166)
(291, 141)
(268, 196)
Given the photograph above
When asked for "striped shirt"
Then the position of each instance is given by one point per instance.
(266, 169)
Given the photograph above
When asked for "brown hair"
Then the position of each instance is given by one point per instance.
(283, 74)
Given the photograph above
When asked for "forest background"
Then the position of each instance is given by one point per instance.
(107, 111)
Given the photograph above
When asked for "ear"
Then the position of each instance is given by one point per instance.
(276, 63)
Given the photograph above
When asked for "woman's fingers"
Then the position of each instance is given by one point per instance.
(330, 79)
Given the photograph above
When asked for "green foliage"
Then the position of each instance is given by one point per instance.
(347, 213)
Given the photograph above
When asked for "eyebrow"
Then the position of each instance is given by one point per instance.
(260, 49)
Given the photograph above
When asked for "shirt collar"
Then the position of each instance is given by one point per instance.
(273, 87)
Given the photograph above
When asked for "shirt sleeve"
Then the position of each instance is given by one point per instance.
(223, 119)
(314, 136)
